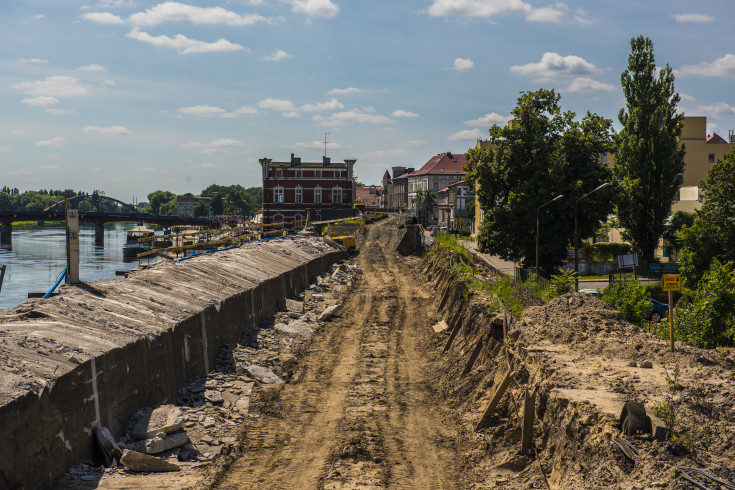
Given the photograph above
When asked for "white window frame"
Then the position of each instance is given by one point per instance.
(278, 194)
(298, 174)
(317, 174)
(299, 197)
(317, 195)
(279, 174)
(336, 192)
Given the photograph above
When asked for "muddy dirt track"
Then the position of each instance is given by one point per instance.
(361, 410)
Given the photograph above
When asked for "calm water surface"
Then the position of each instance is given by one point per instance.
(37, 255)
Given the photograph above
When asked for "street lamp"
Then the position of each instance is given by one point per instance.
(576, 234)
(538, 212)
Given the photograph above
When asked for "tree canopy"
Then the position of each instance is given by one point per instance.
(648, 155)
(543, 153)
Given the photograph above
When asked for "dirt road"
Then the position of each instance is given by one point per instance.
(361, 411)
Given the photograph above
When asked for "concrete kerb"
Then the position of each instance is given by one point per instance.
(44, 433)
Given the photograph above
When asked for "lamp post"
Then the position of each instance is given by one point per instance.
(576, 227)
(538, 212)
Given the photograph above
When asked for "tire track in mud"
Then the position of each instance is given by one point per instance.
(362, 411)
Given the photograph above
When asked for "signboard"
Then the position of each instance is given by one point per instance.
(625, 261)
(580, 254)
(671, 282)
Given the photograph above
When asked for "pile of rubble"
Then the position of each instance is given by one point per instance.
(200, 426)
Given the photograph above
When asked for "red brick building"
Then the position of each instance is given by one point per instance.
(294, 191)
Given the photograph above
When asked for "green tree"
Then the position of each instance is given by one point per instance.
(648, 156)
(237, 201)
(712, 233)
(425, 202)
(217, 204)
(157, 199)
(469, 210)
(543, 153)
(201, 210)
(679, 221)
(629, 298)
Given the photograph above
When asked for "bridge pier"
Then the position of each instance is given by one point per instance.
(99, 234)
(6, 232)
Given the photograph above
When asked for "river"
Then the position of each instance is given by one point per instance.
(37, 255)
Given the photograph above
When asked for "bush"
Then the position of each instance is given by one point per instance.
(629, 298)
(564, 282)
(706, 317)
(605, 252)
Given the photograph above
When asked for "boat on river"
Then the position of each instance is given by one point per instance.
(132, 246)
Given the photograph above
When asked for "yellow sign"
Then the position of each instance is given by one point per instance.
(672, 282)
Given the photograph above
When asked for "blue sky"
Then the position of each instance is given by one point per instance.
(131, 96)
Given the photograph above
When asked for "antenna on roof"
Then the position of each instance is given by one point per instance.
(325, 143)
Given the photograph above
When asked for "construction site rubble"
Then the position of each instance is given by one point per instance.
(200, 426)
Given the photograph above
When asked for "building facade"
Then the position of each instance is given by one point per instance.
(185, 204)
(295, 191)
(451, 202)
(440, 171)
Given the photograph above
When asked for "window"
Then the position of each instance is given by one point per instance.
(298, 176)
(711, 158)
(338, 174)
(337, 194)
(318, 194)
(299, 195)
(279, 174)
(603, 157)
(436, 185)
(318, 174)
(278, 194)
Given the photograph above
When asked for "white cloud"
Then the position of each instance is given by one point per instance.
(57, 142)
(103, 18)
(462, 64)
(416, 142)
(107, 83)
(553, 64)
(183, 44)
(246, 109)
(585, 84)
(5, 148)
(315, 145)
(220, 145)
(331, 105)
(202, 110)
(490, 8)
(402, 113)
(345, 117)
(277, 55)
(226, 143)
(33, 60)
(120, 130)
(55, 86)
(488, 120)
(716, 111)
(41, 101)
(698, 18)
(19, 132)
(206, 165)
(178, 12)
(277, 104)
(467, 134)
(315, 8)
(56, 112)
(291, 115)
(344, 91)
(92, 67)
(686, 98)
(721, 67)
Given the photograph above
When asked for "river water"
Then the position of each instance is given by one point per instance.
(36, 256)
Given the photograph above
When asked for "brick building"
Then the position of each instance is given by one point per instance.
(440, 171)
(186, 204)
(294, 191)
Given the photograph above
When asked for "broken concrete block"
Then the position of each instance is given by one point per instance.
(295, 328)
(161, 444)
(308, 295)
(213, 396)
(166, 418)
(440, 327)
(135, 461)
(294, 306)
(263, 374)
(647, 364)
(658, 428)
(327, 313)
(243, 405)
(110, 449)
(208, 422)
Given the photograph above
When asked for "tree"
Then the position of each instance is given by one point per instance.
(679, 221)
(201, 210)
(542, 154)
(713, 232)
(425, 204)
(469, 210)
(648, 156)
(157, 199)
(217, 204)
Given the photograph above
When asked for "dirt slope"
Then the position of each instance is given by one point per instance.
(361, 411)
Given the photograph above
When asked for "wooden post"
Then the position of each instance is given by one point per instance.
(497, 396)
(671, 319)
(454, 333)
(529, 412)
(473, 357)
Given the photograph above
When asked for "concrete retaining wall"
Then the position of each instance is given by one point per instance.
(97, 353)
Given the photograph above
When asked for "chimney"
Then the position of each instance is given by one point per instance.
(295, 160)
(326, 160)
(449, 154)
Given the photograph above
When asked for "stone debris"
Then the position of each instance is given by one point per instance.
(209, 408)
(264, 375)
(136, 461)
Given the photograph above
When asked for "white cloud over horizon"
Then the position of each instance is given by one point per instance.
(102, 18)
(696, 18)
(462, 64)
(116, 130)
(492, 8)
(586, 84)
(54, 86)
(352, 116)
(315, 8)
(553, 65)
(721, 67)
(277, 55)
(345, 91)
(201, 110)
(467, 134)
(57, 142)
(41, 101)
(181, 12)
(402, 113)
(330, 105)
(717, 110)
(277, 104)
(183, 44)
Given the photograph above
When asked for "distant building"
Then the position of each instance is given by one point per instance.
(440, 171)
(451, 202)
(395, 188)
(294, 191)
(186, 204)
(369, 196)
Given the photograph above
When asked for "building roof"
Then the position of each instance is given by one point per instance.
(369, 195)
(455, 184)
(716, 138)
(443, 164)
(386, 176)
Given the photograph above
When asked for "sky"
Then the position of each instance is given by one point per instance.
(131, 96)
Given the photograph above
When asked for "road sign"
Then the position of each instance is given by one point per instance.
(671, 282)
